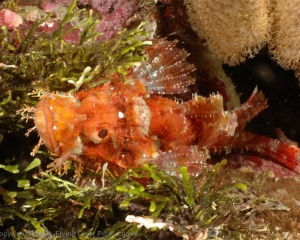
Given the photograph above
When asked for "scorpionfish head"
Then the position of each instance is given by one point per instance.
(102, 117)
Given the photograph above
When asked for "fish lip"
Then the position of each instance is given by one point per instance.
(43, 120)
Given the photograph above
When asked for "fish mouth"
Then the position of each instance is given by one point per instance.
(43, 120)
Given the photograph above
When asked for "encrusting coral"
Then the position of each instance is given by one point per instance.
(113, 20)
(10, 19)
(235, 30)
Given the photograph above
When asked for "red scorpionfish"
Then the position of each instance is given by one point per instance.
(127, 124)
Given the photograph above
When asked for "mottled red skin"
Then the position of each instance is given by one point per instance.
(129, 141)
(132, 123)
(186, 129)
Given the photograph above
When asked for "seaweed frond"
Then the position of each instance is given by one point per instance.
(143, 203)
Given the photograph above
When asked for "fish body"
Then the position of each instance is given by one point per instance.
(124, 125)
(131, 123)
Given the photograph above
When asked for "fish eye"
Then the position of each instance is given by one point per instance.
(103, 133)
